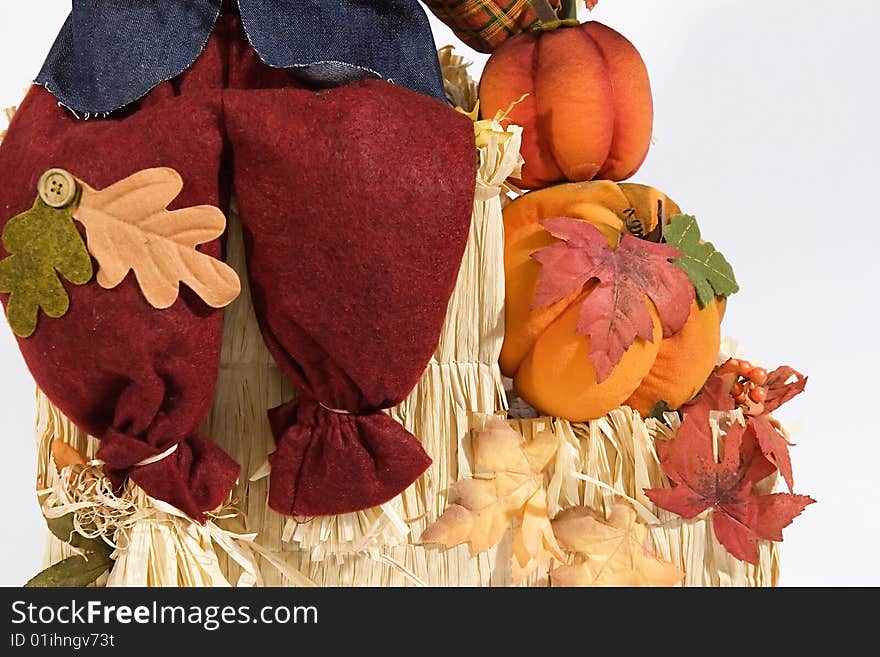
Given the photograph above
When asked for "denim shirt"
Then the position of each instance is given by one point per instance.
(112, 52)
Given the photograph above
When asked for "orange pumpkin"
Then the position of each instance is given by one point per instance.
(588, 113)
(684, 361)
(547, 359)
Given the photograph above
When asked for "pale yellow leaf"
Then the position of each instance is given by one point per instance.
(498, 448)
(614, 552)
(541, 450)
(129, 227)
(509, 487)
(534, 544)
(452, 528)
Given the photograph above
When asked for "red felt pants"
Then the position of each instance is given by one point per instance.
(355, 202)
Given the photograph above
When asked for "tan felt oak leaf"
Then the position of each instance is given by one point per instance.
(129, 227)
(507, 487)
(614, 552)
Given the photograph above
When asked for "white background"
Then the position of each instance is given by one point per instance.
(766, 129)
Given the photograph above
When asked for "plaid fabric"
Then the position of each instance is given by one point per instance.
(486, 24)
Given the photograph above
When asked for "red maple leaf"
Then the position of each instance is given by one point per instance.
(717, 396)
(616, 312)
(775, 446)
(779, 390)
(739, 517)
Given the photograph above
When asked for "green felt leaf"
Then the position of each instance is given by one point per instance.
(73, 571)
(708, 270)
(42, 243)
(62, 528)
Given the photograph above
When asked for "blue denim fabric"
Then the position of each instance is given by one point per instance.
(112, 52)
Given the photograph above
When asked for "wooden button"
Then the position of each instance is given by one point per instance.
(57, 188)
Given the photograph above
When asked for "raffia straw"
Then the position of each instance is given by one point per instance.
(97, 511)
(163, 547)
(154, 543)
(461, 89)
(463, 376)
(614, 457)
(52, 424)
(9, 112)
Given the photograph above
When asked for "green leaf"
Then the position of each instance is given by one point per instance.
(42, 243)
(708, 270)
(73, 571)
(659, 409)
(63, 529)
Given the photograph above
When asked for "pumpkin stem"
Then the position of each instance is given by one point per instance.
(544, 11)
(633, 224)
(548, 19)
(569, 10)
(656, 234)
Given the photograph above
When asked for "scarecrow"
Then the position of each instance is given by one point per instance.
(322, 119)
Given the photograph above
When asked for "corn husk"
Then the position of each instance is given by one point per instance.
(461, 89)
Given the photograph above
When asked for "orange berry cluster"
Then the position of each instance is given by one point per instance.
(750, 381)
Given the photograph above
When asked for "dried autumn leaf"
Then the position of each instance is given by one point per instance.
(706, 267)
(64, 455)
(780, 387)
(508, 486)
(616, 311)
(63, 529)
(75, 571)
(775, 446)
(534, 543)
(716, 395)
(129, 227)
(739, 517)
(615, 552)
(42, 243)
